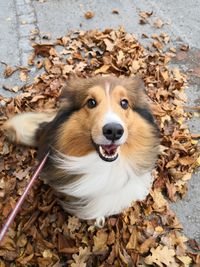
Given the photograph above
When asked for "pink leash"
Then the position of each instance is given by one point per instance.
(14, 212)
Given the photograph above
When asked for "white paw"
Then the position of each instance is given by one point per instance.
(100, 221)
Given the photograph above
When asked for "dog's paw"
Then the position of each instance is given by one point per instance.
(100, 222)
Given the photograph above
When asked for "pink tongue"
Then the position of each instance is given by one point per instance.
(109, 149)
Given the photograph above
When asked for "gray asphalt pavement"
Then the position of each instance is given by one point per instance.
(181, 21)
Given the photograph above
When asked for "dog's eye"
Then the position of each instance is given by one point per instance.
(124, 103)
(91, 103)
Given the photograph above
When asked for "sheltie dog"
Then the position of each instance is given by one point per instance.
(103, 144)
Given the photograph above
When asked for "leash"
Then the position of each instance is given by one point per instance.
(14, 212)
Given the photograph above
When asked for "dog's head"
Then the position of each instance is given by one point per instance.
(108, 115)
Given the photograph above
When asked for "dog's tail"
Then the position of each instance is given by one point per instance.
(22, 128)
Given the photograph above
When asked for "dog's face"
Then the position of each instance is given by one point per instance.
(106, 115)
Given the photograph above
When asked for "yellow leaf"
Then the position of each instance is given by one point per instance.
(159, 229)
(47, 253)
(81, 258)
(100, 241)
(135, 66)
(194, 142)
(109, 45)
(73, 223)
(159, 201)
(162, 256)
(23, 75)
(196, 115)
(198, 160)
(103, 69)
(186, 260)
(133, 239)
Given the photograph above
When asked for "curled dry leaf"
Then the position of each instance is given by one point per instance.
(115, 11)
(145, 14)
(89, 15)
(9, 70)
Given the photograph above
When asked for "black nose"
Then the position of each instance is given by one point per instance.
(113, 131)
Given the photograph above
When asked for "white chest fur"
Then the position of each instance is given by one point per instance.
(106, 188)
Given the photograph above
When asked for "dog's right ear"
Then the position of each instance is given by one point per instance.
(75, 91)
(69, 92)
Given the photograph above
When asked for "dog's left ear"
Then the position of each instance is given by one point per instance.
(141, 102)
(136, 91)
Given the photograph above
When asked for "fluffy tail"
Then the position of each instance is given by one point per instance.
(22, 128)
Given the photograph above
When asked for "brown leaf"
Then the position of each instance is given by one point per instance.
(147, 244)
(22, 241)
(145, 14)
(81, 258)
(23, 75)
(132, 243)
(162, 256)
(14, 89)
(109, 44)
(21, 174)
(66, 245)
(186, 260)
(102, 69)
(115, 11)
(25, 260)
(89, 15)
(42, 49)
(184, 47)
(160, 203)
(47, 64)
(73, 223)
(9, 70)
(158, 24)
(100, 241)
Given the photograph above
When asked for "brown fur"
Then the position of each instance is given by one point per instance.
(75, 125)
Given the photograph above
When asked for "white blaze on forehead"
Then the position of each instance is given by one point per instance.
(107, 89)
(110, 116)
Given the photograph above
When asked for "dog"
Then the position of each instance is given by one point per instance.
(103, 145)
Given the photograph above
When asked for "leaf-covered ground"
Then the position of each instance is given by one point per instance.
(147, 234)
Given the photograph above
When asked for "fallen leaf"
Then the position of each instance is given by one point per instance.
(89, 15)
(109, 44)
(184, 47)
(158, 24)
(102, 69)
(186, 260)
(23, 75)
(100, 241)
(145, 14)
(162, 256)
(115, 11)
(9, 70)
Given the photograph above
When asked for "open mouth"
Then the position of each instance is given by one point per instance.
(108, 152)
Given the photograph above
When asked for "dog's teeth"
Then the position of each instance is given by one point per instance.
(101, 150)
(103, 153)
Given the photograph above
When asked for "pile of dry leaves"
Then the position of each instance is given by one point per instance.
(148, 234)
